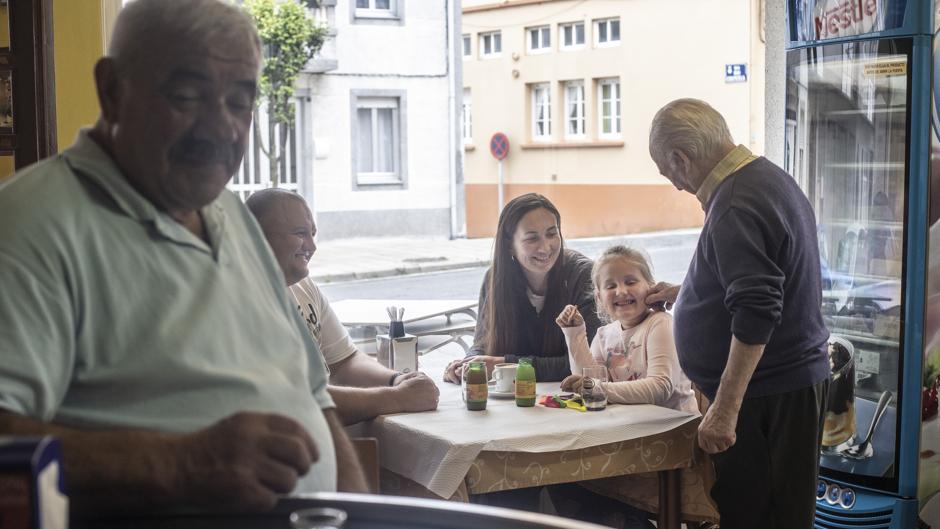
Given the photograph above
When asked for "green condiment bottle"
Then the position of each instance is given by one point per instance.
(525, 383)
(475, 389)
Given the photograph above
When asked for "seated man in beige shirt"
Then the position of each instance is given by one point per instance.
(361, 387)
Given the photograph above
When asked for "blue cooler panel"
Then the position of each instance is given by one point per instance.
(842, 507)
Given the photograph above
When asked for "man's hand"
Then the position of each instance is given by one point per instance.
(416, 392)
(572, 383)
(569, 317)
(662, 296)
(244, 461)
(716, 431)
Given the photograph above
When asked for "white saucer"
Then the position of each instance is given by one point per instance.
(491, 391)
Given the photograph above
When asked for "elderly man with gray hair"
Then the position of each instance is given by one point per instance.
(145, 321)
(748, 324)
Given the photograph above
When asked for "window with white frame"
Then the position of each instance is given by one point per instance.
(540, 39)
(491, 44)
(377, 8)
(607, 32)
(466, 46)
(574, 109)
(541, 112)
(571, 36)
(467, 117)
(378, 141)
(608, 100)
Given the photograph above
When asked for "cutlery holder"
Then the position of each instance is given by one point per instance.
(400, 354)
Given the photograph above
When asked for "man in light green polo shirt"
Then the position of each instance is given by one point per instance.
(145, 321)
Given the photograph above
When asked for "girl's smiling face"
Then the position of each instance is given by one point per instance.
(622, 290)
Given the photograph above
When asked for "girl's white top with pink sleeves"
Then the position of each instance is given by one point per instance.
(641, 362)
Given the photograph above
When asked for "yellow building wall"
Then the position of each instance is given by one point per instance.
(78, 45)
(603, 185)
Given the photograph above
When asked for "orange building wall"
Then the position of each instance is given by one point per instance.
(589, 210)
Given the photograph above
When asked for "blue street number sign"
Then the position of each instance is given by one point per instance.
(735, 73)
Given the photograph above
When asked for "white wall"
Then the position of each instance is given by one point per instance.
(411, 57)
(775, 88)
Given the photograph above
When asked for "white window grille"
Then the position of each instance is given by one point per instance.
(540, 39)
(571, 35)
(491, 44)
(607, 32)
(541, 112)
(608, 98)
(574, 109)
(378, 141)
(377, 8)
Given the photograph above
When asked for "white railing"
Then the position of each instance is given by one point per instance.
(254, 173)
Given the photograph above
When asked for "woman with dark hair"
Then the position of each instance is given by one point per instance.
(531, 280)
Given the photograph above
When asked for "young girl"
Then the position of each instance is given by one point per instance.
(637, 348)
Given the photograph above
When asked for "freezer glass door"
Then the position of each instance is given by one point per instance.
(846, 144)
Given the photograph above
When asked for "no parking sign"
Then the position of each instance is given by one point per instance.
(499, 146)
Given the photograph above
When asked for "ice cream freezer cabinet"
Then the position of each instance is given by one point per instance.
(862, 141)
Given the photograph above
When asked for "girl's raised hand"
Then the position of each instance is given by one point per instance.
(569, 317)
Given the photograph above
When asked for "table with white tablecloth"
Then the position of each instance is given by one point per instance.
(452, 451)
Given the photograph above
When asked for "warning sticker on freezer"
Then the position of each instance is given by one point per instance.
(886, 68)
(868, 361)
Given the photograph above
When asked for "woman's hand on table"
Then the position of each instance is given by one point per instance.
(571, 383)
(490, 362)
(454, 370)
(569, 317)
(416, 392)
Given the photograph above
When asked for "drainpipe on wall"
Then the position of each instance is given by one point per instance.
(454, 137)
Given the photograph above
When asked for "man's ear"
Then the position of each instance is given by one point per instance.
(679, 161)
(108, 86)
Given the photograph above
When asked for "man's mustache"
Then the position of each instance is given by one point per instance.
(202, 151)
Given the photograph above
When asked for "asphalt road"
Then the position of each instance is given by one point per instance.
(670, 256)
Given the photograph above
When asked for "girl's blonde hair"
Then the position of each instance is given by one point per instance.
(635, 256)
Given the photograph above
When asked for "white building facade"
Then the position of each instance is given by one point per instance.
(378, 133)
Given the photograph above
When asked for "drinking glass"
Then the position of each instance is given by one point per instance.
(592, 394)
(598, 373)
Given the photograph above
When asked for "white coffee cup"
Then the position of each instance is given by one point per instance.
(504, 377)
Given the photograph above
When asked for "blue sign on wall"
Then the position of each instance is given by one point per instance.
(735, 73)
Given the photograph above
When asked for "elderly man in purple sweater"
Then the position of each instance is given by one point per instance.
(748, 326)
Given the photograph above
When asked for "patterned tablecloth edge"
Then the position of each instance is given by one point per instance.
(454, 471)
